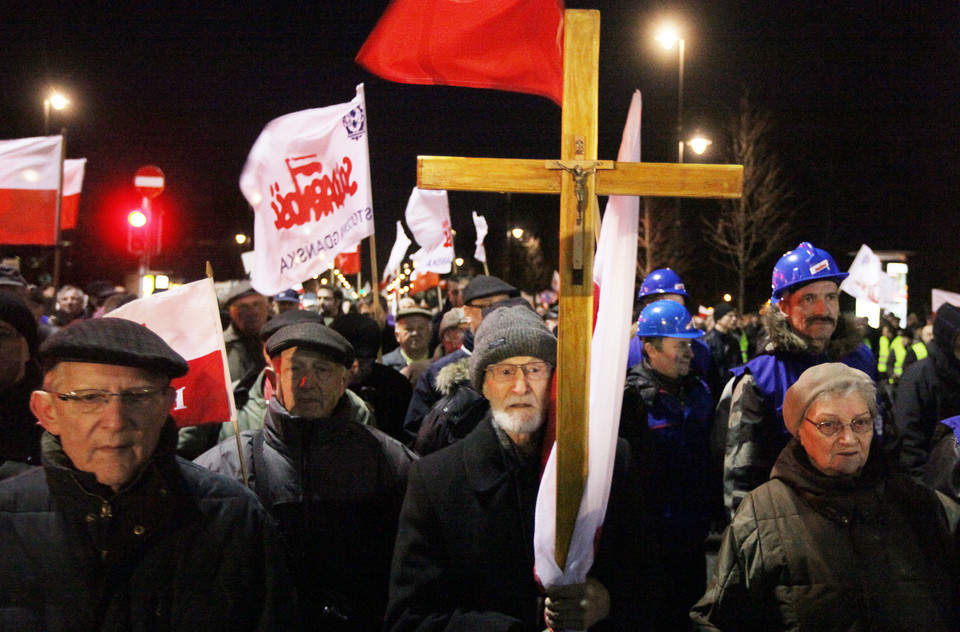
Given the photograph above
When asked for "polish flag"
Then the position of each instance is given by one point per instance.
(397, 253)
(428, 216)
(613, 280)
(348, 261)
(188, 319)
(29, 181)
(480, 223)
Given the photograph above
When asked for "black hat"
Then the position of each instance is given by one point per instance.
(113, 341)
(15, 312)
(312, 336)
(946, 326)
(722, 309)
(11, 276)
(292, 317)
(483, 286)
(361, 331)
(100, 289)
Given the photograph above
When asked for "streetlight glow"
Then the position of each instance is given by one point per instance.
(137, 218)
(517, 233)
(699, 144)
(241, 238)
(58, 101)
(668, 36)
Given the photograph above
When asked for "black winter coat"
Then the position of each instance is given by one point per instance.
(179, 548)
(806, 551)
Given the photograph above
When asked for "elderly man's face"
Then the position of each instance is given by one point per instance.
(70, 301)
(518, 402)
(311, 383)
(249, 313)
(845, 453)
(112, 439)
(413, 334)
(672, 359)
(474, 309)
(813, 311)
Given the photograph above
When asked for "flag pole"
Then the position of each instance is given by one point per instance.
(236, 424)
(59, 211)
(373, 275)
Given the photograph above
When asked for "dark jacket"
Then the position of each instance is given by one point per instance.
(748, 426)
(19, 431)
(387, 393)
(179, 548)
(928, 392)
(725, 354)
(426, 393)
(807, 551)
(456, 414)
(335, 487)
(464, 555)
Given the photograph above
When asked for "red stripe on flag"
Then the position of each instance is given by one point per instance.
(27, 216)
(201, 398)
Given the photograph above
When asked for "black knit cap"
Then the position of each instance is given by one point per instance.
(483, 286)
(361, 331)
(946, 326)
(113, 341)
(312, 336)
(722, 309)
(14, 311)
(292, 317)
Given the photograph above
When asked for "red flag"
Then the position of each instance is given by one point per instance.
(514, 45)
(29, 180)
(424, 281)
(348, 261)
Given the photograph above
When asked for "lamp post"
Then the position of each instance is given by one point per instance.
(668, 37)
(56, 101)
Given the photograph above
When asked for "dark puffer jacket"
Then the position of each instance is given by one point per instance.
(457, 413)
(806, 551)
(179, 548)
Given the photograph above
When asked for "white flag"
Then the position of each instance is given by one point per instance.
(308, 180)
(613, 279)
(428, 216)
(188, 319)
(868, 281)
(480, 223)
(397, 253)
(939, 297)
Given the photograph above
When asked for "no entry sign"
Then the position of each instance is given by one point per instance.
(149, 181)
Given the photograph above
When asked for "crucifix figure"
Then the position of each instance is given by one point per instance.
(587, 179)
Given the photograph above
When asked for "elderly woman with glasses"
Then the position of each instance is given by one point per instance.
(836, 539)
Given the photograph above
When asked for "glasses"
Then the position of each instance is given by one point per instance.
(90, 401)
(833, 427)
(533, 371)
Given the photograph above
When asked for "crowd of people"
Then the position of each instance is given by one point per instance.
(797, 470)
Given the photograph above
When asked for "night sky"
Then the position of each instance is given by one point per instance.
(864, 96)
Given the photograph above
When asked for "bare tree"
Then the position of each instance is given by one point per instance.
(748, 231)
(660, 243)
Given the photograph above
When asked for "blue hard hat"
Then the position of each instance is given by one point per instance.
(804, 264)
(663, 281)
(668, 319)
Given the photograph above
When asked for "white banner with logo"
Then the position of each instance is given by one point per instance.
(308, 180)
(868, 281)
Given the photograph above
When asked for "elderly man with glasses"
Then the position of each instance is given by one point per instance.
(464, 553)
(115, 532)
(837, 539)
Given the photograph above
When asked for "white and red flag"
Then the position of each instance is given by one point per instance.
(397, 253)
(613, 280)
(188, 319)
(308, 180)
(480, 223)
(428, 216)
(29, 182)
(868, 281)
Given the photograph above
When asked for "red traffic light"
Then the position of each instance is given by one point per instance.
(137, 218)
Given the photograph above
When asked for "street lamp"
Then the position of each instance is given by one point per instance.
(668, 36)
(56, 101)
(699, 144)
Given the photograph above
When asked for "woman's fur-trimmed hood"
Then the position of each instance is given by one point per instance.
(781, 336)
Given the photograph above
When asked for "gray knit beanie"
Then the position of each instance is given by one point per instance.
(509, 332)
(819, 380)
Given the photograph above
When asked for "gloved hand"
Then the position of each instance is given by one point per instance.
(577, 606)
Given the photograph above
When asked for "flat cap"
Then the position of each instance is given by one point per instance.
(483, 286)
(292, 317)
(241, 289)
(113, 341)
(312, 336)
(11, 276)
(413, 311)
(452, 319)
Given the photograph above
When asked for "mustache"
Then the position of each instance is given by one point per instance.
(821, 319)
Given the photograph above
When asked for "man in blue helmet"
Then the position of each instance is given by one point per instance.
(666, 418)
(665, 284)
(804, 328)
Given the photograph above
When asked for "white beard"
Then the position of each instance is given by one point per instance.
(526, 422)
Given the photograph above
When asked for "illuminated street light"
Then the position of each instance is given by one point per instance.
(517, 233)
(56, 101)
(699, 144)
(458, 261)
(668, 36)
(241, 238)
(727, 298)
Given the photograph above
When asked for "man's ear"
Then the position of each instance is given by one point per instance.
(271, 375)
(41, 405)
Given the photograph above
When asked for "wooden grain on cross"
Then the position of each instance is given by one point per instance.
(577, 172)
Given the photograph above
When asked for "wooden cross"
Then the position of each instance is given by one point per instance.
(578, 209)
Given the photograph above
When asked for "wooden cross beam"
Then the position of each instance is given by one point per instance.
(578, 177)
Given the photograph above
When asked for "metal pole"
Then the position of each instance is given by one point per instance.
(678, 222)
